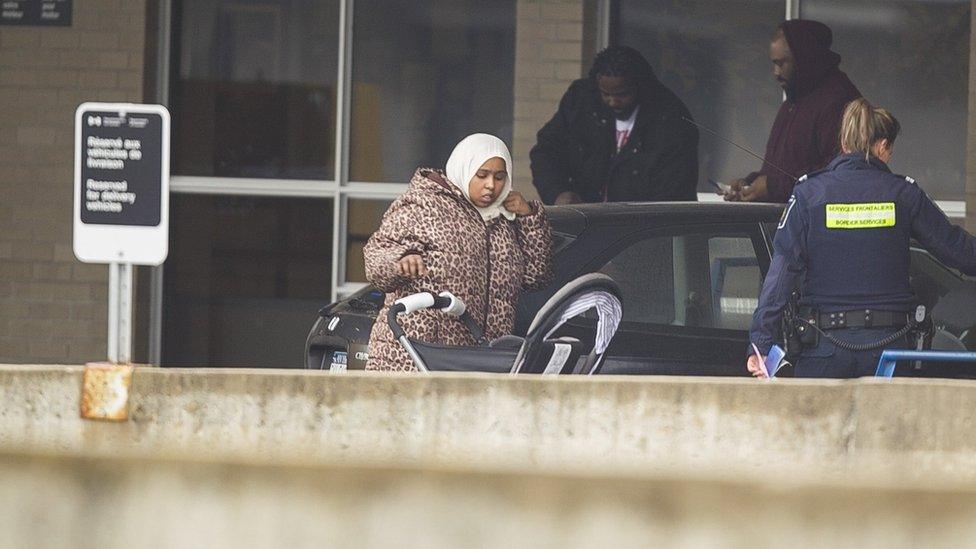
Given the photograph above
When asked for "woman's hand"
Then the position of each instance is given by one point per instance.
(754, 367)
(411, 265)
(517, 204)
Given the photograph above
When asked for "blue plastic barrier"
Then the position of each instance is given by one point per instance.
(886, 365)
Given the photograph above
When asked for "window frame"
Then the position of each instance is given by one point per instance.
(340, 188)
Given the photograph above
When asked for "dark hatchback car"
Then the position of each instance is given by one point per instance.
(690, 274)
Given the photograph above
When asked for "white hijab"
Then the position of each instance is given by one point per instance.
(467, 157)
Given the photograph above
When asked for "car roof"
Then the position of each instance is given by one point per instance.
(573, 219)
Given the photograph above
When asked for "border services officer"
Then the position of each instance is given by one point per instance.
(847, 231)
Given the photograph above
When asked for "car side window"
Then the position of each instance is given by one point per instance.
(735, 281)
(645, 273)
(695, 280)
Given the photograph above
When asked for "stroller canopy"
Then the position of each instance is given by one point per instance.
(595, 291)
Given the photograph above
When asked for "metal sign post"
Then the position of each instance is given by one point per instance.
(121, 206)
(120, 313)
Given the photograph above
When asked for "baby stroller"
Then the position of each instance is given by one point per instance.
(537, 352)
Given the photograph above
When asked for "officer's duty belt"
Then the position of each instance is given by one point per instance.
(861, 318)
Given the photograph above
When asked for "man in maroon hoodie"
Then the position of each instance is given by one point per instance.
(806, 133)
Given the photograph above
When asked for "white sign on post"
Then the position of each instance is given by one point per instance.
(121, 206)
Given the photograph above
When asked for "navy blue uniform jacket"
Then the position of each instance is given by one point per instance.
(847, 230)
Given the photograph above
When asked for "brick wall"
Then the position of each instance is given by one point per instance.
(548, 57)
(53, 308)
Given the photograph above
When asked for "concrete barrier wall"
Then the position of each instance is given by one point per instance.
(607, 423)
(108, 503)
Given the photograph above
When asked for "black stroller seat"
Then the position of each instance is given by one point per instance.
(538, 352)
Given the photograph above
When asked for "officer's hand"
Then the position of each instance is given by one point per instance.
(411, 265)
(568, 197)
(516, 204)
(754, 367)
(757, 191)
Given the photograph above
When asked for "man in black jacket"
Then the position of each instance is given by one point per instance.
(618, 136)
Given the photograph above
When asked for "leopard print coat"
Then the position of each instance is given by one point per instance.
(487, 265)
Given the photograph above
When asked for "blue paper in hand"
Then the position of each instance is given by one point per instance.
(774, 360)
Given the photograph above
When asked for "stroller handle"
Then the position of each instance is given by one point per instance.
(413, 303)
(422, 300)
(445, 301)
(452, 306)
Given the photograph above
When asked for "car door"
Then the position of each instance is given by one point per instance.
(688, 297)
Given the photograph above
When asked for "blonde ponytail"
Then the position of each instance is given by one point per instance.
(863, 125)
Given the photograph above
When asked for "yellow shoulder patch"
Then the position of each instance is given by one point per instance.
(861, 216)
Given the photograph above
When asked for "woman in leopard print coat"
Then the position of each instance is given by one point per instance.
(464, 231)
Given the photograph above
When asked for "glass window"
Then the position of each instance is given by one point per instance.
(364, 218)
(911, 57)
(714, 56)
(253, 92)
(689, 280)
(736, 281)
(425, 74)
(646, 275)
(244, 279)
